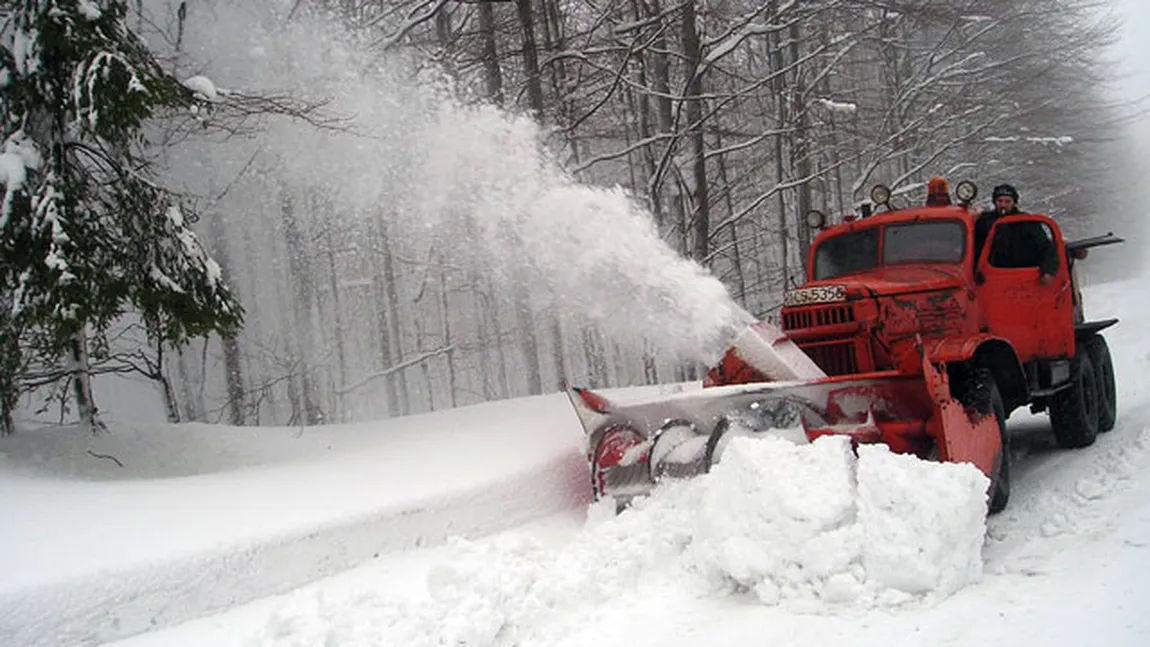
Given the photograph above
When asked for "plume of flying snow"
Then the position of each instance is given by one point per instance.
(467, 183)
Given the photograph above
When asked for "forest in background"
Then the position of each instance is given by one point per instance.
(362, 232)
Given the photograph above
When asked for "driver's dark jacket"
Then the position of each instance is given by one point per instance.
(1018, 245)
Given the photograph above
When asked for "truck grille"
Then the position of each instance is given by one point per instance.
(811, 317)
(836, 358)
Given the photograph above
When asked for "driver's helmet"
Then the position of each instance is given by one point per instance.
(1004, 190)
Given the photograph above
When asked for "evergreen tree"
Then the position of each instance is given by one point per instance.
(85, 234)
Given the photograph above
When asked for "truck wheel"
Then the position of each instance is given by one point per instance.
(1074, 410)
(1099, 353)
(981, 394)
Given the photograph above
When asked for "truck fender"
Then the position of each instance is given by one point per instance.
(990, 352)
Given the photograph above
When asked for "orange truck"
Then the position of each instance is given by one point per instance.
(926, 342)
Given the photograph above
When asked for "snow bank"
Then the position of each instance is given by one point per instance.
(803, 526)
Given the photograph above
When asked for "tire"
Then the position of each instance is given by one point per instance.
(1074, 410)
(981, 394)
(1099, 352)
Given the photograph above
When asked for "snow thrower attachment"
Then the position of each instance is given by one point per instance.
(632, 446)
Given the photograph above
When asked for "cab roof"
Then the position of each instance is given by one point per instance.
(916, 213)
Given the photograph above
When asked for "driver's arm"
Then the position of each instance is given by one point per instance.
(1047, 254)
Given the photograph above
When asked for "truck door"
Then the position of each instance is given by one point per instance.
(1037, 317)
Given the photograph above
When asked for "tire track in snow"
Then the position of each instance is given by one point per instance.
(1065, 497)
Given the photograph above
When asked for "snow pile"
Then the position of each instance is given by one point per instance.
(203, 88)
(804, 526)
(923, 523)
(814, 526)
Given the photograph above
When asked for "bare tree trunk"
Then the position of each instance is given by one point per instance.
(492, 75)
(492, 313)
(233, 373)
(558, 354)
(775, 55)
(171, 402)
(445, 316)
(661, 79)
(736, 254)
(650, 369)
(639, 103)
(483, 341)
(397, 352)
(10, 362)
(387, 318)
(82, 384)
(443, 33)
(233, 377)
(302, 275)
(426, 386)
(337, 314)
(700, 198)
(530, 58)
(595, 353)
(293, 397)
(193, 406)
(801, 151)
(528, 343)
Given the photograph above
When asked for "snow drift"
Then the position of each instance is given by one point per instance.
(802, 526)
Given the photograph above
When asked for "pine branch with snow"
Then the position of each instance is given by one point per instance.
(85, 234)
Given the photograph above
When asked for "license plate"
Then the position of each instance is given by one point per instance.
(819, 294)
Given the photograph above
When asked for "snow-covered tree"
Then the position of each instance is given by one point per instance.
(86, 235)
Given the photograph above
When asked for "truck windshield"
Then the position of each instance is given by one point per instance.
(939, 241)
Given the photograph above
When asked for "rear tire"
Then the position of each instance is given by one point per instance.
(1074, 410)
(1099, 352)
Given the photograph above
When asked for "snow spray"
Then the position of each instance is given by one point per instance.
(470, 181)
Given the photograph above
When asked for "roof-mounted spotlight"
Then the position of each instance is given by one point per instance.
(966, 191)
(880, 195)
(816, 219)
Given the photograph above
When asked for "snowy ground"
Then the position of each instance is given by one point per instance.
(472, 527)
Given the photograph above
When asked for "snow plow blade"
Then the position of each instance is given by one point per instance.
(631, 446)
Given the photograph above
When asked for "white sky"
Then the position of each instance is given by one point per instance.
(1135, 47)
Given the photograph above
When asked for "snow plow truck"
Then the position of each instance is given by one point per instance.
(903, 333)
